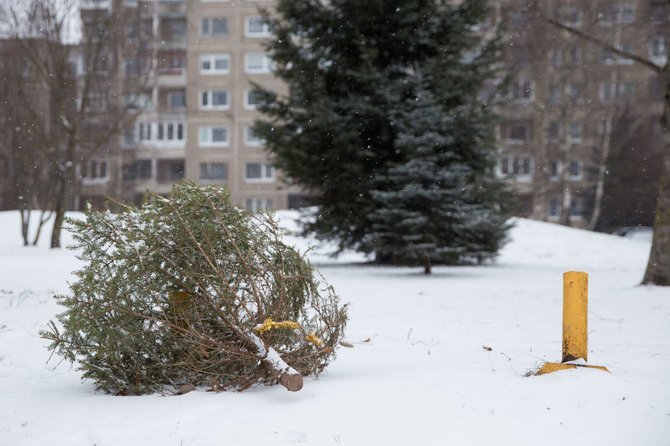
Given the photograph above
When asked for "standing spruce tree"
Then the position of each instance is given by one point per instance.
(441, 205)
(355, 134)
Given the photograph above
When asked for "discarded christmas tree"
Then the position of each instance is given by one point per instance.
(189, 291)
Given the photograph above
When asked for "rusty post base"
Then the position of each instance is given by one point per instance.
(549, 367)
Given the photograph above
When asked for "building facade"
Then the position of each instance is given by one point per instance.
(196, 61)
(575, 109)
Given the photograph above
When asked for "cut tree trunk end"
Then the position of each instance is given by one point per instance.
(283, 374)
(292, 381)
(278, 369)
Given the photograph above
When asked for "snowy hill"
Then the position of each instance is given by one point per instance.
(437, 360)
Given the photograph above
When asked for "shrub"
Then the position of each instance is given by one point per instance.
(189, 291)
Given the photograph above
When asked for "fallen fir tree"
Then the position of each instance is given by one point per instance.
(190, 291)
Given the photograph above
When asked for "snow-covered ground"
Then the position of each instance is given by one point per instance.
(446, 361)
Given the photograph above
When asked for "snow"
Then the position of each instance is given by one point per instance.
(445, 362)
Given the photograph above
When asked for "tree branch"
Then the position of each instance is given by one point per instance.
(602, 43)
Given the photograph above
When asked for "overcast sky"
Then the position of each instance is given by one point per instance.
(70, 8)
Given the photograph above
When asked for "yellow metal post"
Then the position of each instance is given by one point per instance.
(575, 327)
(575, 320)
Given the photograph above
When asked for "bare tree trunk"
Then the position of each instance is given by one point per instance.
(41, 223)
(64, 191)
(566, 201)
(565, 151)
(59, 212)
(658, 267)
(602, 173)
(25, 222)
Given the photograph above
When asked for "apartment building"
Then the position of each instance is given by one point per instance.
(196, 61)
(573, 105)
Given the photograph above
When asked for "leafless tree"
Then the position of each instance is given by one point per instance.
(658, 267)
(81, 110)
(23, 155)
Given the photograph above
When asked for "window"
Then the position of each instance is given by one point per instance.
(95, 170)
(144, 131)
(139, 170)
(171, 61)
(555, 169)
(215, 64)
(575, 170)
(607, 15)
(569, 16)
(576, 208)
(176, 99)
(166, 131)
(258, 204)
(505, 165)
(627, 14)
(611, 14)
(554, 94)
(129, 137)
(214, 27)
(517, 165)
(172, 29)
(100, 63)
(76, 63)
(96, 31)
(255, 63)
(259, 173)
(522, 91)
(147, 28)
(658, 12)
(132, 67)
(557, 57)
(522, 165)
(170, 170)
(214, 100)
(518, 133)
(608, 57)
(608, 91)
(555, 131)
(575, 52)
(613, 91)
(602, 126)
(143, 168)
(145, 61)
(658, 50)
(132, 30)
(213, 136)
(251, 138)
(213, 172)
(255, 27)
(170, 131)
(574, 93)
(576, 131)
(554, 211)
(251, 99)
(97, 99)
(137, 100)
